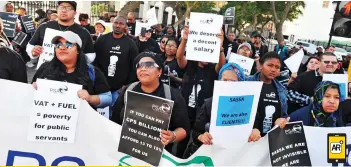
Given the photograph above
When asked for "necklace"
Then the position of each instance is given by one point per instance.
(64, 29)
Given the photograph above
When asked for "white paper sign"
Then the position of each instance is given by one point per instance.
(138, 26)
(203, 44)
(244, 62)
(341, 79)
(294, 62)
(54, 113)
(233, 110)
(151, 17)
(48, 53)
(104, 112)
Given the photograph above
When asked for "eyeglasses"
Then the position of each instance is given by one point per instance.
(68, 45)
(332, 62)
(67, 8)
(171, 46)
(147, 65)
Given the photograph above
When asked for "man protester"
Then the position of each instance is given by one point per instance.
(115, 56)
(84, 22)
(66, 12)
(229, 44)
(339, 69)
(260, 48)
(157, 35)
(302, 88)
(131, 23)
(282, 50)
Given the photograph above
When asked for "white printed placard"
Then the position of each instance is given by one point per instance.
(48, 52)
(138, 27)
(341, 79)
(233, 110)
(244, 62)
(203, 43)
(54, 112)
(151, 17)
(104, 112)
(294, 61)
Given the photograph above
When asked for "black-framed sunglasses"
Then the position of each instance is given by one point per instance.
(332, 62)
(68, 45)
(147, 65)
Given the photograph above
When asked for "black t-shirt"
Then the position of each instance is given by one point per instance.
(232, 46)
(131, 28)
(98, 86)
(305, 83)
(172, 68)
(345, 108)
(285, 74)
(150, 44)
(179, 117)
(260, 50)
(91, 29)
(157, 37)
(204, 79)
(115, 58)
(12, 66)
(87, 42)
(269, 109)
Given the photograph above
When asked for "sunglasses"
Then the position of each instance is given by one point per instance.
(332, 62)
(164, 41)
(147, 65)
(68, 45)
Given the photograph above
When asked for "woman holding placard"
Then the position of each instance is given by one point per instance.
(69, 65)
(272, 105)
(149, 70)
(323, 112)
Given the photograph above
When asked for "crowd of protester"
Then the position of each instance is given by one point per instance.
(155, 63)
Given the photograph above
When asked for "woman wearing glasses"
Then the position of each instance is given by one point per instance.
(149, 69)
(162, 47)
(69, 65)
(172, 74)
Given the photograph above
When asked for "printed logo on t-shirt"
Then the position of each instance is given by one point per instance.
(112, 66)
(271, 95)
(267, 121)
(116, 47)
(192, 95)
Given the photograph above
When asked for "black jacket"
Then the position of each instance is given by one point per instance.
(202, 118)
(12, 66)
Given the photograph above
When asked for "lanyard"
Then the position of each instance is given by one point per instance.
(314, 117)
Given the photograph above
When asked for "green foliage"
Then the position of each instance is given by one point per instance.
(99, 9)
(204, 7)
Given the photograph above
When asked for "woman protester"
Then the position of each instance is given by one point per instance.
(200, 135)
(324, 110)
(272, 105)
(149, 69)
(311, 64)
(69, 65)
(172, 74)
(198, 81)
(162, 48)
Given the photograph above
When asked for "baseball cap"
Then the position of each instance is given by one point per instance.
(73, 3)
(101, 22)
(245, 44)
(69, 36)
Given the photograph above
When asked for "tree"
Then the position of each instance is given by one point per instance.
(283, 11)
(98, 9)
(128, 7)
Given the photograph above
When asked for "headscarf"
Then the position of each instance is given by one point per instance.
(232, 67)
(322, 118)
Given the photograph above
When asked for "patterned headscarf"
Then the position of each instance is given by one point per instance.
(232, 67)
(323, 119)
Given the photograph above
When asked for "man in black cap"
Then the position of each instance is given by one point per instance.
(66, 12)
(260, 48)
(84, 22)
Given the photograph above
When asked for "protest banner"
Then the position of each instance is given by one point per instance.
(233, 110)
(341, 80)
(54, 112)
(97, 140)
(229, 16)
(288, 146)
(294, 62)
(203, 43)
(151, 17)
(49, 48)
(28, 23)
(144, 118)
(9, 22)
(19, 38)
(244, 62)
